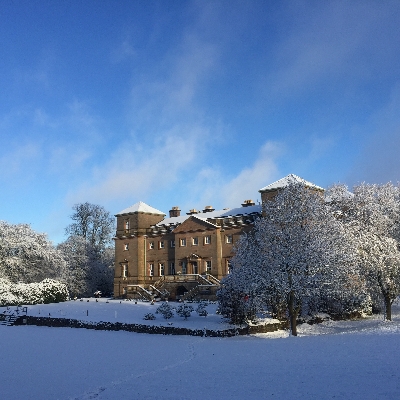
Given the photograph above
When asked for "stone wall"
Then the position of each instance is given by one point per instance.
(118, 326)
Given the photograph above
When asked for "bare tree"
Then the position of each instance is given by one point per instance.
(88, 251)
(93, 223)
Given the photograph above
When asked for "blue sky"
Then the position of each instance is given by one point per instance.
(191, 103)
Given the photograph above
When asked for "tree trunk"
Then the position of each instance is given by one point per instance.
(388, 307)
(293, 324)
(293, 312)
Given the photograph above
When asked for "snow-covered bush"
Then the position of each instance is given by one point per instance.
(201, 309)
(234, 303)
(7, 297)
(184, 310)
(165, 310)
(47, 291)
(149, 317)
(53, 291)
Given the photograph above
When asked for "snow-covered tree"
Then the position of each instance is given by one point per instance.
(297, 251)
(78, 275)
(88, 251)
(27, 256)
(93, 223)
(87, 270)
(371, 215)
(233, 297)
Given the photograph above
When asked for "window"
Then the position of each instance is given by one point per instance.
(228, 266)
(151, 269)
(151, 245)
(127, 225)
(207, 239)
(208, 266)
(126, 246)
(172, 244)
(124, 270)
(195, 241)
(183, 242)
(229, 239)
(161, 245)
(172, 268)
(184, 267)
(162, 269)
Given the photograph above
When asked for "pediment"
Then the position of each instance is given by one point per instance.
(194, 224)
(194, 257)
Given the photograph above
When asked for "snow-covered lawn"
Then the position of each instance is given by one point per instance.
(126, 312)
(341, 360)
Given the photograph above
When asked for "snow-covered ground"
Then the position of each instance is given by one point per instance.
(340, 360)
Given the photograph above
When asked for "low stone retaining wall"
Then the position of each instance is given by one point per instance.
(265, 328)
(119, 326)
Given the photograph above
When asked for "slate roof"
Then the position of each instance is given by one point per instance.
(284, 182)
(230, 212)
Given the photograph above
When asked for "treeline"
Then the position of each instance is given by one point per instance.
(83, 262)
(336, 253)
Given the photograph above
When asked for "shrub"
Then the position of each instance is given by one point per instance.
(201, 309)
(47, 291)
(184, 310)
(165, 310)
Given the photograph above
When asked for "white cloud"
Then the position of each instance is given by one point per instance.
(250, 180)
(169, 135)
(212, 185)
(134, 171)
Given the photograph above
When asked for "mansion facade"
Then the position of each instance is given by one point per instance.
(183, 255)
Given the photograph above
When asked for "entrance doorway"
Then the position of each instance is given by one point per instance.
(180, 291)
(195, 268)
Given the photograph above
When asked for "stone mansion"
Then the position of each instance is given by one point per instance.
(185, 255)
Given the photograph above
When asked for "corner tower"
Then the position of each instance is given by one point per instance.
(133, 225)
(269, 192)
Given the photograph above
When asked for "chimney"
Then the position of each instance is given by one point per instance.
(208, 209)
(192, 211)
(174, 212)
(248, 203)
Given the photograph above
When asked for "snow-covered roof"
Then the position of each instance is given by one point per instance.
(230, 212)
(286, 181)
(140, 206)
